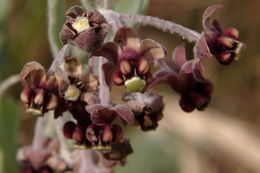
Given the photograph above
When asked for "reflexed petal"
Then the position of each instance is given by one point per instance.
(186, 68)
(35, 71)
(94, 108)
(197, 72)
(108, 70)
(74, 11)
(66, 34)
(205, 19)
(110, 51)
(201, 49)
(126, 37)
(152, 50)
(125, 113)
(179, 55)
(86, 40)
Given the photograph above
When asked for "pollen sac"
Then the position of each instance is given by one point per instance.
(72, 93)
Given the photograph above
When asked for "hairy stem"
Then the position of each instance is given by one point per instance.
(8, 83)
(64, 148)
(39, 133)
(52, 4)
(104, 89)
(86, 4)
(186, 33)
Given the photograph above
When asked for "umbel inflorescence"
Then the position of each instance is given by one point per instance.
(136, 64)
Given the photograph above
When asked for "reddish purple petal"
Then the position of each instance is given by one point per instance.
(108, 70)
(201, 49)
(179, 55)
(127, 38)
(208, 12)
(110, 51)
(35, 71)
(186, 68)
(152, 50)
(125, 113)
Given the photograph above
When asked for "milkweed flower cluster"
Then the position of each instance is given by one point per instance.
(138, 65)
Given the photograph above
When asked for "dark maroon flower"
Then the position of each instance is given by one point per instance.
(132, 59)
(40, 93)
(99, 133)
(147, 108)
(185, 78)
(87, 30)
(102, 135)
(223, 44)
(118, 153)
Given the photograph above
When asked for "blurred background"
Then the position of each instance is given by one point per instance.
(224, 138)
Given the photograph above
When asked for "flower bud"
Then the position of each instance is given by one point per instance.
(78, 133)
(197, 99)
(68, 129)
(231, 32)
(107, 133)
(226, 41)
(186, 105)
(225, 58)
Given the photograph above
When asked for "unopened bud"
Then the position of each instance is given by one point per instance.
(231, 32)
(68, 129)
(226, 41)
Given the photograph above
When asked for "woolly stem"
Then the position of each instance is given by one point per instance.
(186, 33)
(103, 88)
(39, 133)
(86, 4)
(52, 4)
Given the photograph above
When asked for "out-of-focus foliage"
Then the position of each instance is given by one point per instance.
(9, 120)
(131, 6)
